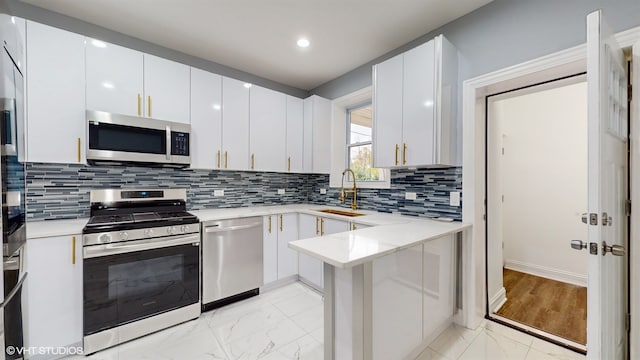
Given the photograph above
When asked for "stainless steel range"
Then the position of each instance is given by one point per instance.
(141, 253)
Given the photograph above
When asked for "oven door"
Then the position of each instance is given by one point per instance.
(128, 281)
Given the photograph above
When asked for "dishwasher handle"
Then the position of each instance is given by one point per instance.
(217, 228)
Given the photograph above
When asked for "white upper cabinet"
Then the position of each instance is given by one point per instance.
(295, 133)
(413, 102)
(267, 140)
(125, 81)
(206, 120)
(114, 78)
(235, 124)
(55, 95)
(317, 135)
(166, 89)
(387, 103)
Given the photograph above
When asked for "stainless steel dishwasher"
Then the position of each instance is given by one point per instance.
(231, 260)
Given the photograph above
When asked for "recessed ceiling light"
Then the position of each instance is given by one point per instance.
(303, 42)
(247, 85)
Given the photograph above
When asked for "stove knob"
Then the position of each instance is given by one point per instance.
(148, 232)
(172, 230)
(124, 235)
(105, 238)
(183, 229)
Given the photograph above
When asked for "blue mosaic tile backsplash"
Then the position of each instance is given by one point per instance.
(61, 191)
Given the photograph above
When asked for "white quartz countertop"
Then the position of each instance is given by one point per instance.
(351, 248)
(50, 228)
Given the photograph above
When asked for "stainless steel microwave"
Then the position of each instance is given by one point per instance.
(122, 138)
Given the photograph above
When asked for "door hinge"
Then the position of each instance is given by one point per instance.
(627, 207)
(629, 92)
(484, 217)
(593, 219)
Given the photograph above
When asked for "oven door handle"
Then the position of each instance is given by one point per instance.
(121, 248)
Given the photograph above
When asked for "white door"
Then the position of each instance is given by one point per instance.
(235, 124)
(295, 133)
(267, 129)
(206, 120)
(607, 184)
(166, 89)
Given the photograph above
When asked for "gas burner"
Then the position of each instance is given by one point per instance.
(110, 219)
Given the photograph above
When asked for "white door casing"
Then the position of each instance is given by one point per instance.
(607, 187)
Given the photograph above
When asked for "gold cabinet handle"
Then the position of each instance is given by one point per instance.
(321, 226)
(289, 164)
(139, 104)
(73, 250)
(218, 159)
(397, 148)
(317, 225)
(226, 159)
(79, 149)
(281, 223)
(269, 224)
(253, 161)
(149, 106)
(404, 154)
(353, 226)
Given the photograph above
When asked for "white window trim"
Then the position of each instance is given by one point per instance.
(339, 141)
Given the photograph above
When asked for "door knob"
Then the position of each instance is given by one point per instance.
(578, 244)
(585, 218)
(616, 250)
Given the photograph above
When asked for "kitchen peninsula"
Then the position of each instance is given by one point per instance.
(390, 289)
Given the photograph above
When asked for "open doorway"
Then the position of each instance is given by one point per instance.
(536, 193)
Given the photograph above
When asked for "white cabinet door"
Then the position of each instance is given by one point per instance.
(307, 135)
(287, 258)
(321, 135)
(56, 119)
(438, 274)
(267, 128)
(166, 89)
(295, 133)
(114, 78)
(333, 226)
(53, 310)
(387, 113)
(206, 120)
(418, 105)
(309, 268)
(235, 124)
(270, 249)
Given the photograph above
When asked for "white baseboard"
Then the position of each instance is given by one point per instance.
(497, 300)
(547, 272)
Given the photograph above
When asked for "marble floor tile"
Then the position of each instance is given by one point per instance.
(304, 348)
(512, 334)
(310, 320)
(555, 351)
(454, 341)
(262, 343)
(259, 319)
(297, 304)
(491, 345)
(429, 354)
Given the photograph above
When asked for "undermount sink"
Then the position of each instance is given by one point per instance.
(340, 212)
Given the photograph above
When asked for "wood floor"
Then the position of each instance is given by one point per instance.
(552, 306)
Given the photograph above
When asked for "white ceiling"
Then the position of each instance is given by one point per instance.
(259, 36)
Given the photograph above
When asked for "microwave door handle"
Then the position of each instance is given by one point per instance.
(168, 129)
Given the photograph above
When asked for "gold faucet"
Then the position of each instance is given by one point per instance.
(354, 190)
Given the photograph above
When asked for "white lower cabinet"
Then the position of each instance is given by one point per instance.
(413, 290)
(280, 261)
(311, 269)
(53, 306)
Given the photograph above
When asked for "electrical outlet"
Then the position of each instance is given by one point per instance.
(323, 191)
(280, 191)
(410, 196)
(454, 198)
(218, 193)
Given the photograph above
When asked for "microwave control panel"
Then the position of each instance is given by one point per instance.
(179, 143)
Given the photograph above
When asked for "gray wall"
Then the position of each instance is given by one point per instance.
(30, 12)
(505, 33)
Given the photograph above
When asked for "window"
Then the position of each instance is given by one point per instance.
(359, 149)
